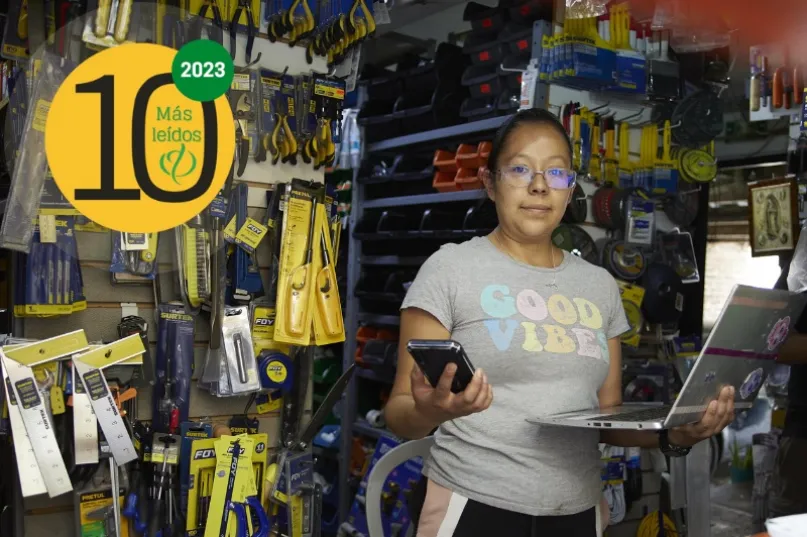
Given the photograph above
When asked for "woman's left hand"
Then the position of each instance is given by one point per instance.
(718, 415)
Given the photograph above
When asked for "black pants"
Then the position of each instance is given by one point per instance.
(480, 520)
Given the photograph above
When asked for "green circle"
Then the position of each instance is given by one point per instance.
(203, 70)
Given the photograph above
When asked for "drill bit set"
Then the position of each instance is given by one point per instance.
(50, 274)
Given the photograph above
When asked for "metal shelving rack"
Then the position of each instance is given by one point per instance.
(467, 132)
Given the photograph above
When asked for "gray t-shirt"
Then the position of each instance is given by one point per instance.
(541, 335)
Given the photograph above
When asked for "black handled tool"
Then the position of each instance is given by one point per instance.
(243, 5)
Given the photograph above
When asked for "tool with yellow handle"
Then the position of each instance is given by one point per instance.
(325, 148)
(22, 21)
(595, 165)
(577, 141)
(289, 146)
(300, 281)
(625, 167)
(102, 17)
(611, 164)
(665, 175)
(328, 303)
(278, 147)
(122, 22)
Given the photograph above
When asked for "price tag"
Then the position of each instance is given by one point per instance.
(381, 13)
(88, 367)
(134, 241)
(31, 481)
(85, 425)
(250, 235)
(230, 230)
(47, 228)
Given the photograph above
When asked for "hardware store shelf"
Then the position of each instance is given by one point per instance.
(420, 199)
(463, 129)
(372, 375)
(362, 427)
(385, 320)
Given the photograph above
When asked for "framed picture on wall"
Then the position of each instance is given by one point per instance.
(773, 216)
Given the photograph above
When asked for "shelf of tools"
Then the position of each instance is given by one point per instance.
(203, 335)
(645, 156)
(776, 90)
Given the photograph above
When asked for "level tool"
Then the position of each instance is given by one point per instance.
(89, 366)
(34, 404)
(31, 481)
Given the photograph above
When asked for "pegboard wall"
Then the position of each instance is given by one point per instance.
(45, 516)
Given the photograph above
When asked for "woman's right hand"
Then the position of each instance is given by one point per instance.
(440, 404)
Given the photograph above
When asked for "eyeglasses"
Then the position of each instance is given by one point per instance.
(556, 178)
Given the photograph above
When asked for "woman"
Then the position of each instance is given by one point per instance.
(542, 328)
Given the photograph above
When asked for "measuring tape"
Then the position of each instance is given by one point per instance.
(633, 313)
(34, 407)
(85, 424)
(625, 261)
(88, 367)
(31, 481)
(696, 166)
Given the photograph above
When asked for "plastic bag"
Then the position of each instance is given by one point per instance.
(690, 30)
(31, 166)
(582, 9)
(797, 277)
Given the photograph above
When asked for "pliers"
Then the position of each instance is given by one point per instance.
(216, 32)
(242, 527)
(243, 5)
(243, 113)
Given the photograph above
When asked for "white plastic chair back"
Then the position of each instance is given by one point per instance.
(386, 464)
(378, 476)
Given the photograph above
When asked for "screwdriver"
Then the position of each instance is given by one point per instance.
(155, 526)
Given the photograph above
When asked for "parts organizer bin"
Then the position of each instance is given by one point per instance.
(474, 109)
(428, 96)
(446, 221)
(517, 39)
(407, 175)
(382, 284)
(485, 18)
(468, 179)
(432, 91)
(444, 181)
(531, 11)
(482, 81)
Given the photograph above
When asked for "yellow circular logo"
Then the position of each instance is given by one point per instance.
(276, 372)
(128, 150)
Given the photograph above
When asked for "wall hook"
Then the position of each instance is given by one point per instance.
(627, 118)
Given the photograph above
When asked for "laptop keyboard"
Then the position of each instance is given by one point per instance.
(647, 414)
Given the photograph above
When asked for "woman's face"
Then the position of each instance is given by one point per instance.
(528, 210)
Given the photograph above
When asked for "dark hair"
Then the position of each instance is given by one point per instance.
(530, 116)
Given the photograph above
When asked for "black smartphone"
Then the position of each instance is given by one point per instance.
(433, 355)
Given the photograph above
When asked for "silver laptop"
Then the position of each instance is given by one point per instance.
(740, 351)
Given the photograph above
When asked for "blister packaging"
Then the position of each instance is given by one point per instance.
(583, 9)
(173, 368)
(31, 164)
(240, 366)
